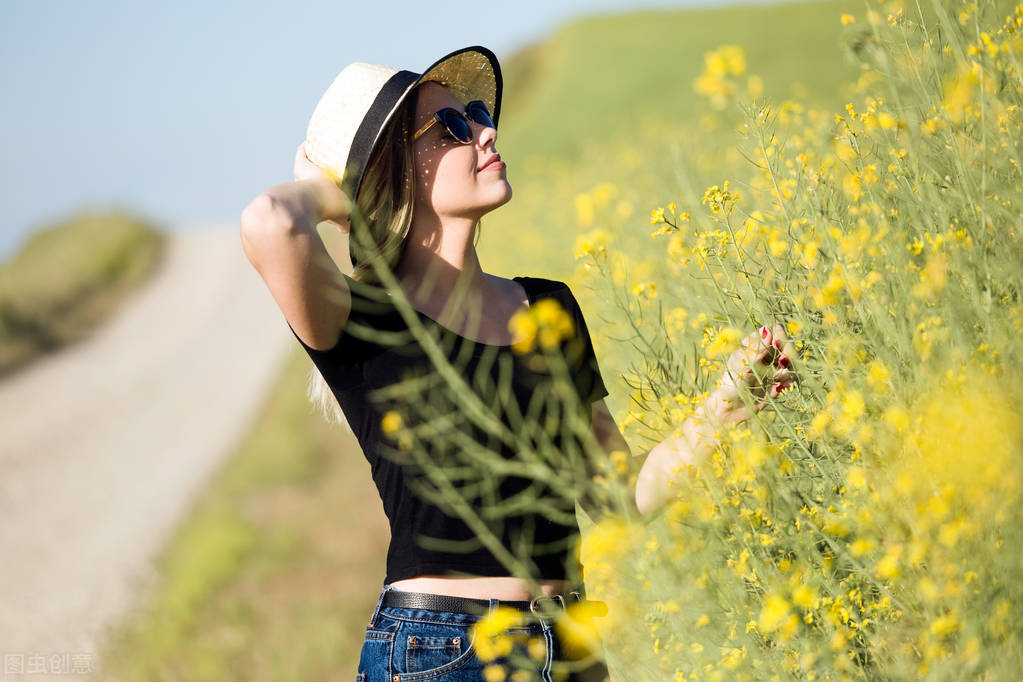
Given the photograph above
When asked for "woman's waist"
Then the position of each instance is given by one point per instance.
(505, 588)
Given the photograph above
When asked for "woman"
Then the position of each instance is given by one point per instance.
(418, 153)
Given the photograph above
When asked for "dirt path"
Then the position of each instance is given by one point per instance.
(104, 445)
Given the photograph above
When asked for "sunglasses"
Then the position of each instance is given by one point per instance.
(457, 123)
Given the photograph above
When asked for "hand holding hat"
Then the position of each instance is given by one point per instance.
(307, 170)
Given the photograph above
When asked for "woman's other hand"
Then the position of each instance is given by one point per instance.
(307, 170)
(763, 366)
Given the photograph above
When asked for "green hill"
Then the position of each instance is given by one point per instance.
(610, 100)
(595, 78)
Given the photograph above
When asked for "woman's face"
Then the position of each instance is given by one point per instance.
(449, 179)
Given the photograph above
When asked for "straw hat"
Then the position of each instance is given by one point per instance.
(349, 118)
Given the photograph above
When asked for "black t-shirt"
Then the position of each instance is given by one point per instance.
(519, 407)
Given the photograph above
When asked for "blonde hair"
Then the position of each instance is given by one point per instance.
(386, 201)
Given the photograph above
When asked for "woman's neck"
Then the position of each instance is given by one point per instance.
(439, 268)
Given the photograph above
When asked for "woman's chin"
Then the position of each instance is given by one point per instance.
(506, 197)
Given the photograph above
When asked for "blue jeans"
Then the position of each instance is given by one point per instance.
(417, 644)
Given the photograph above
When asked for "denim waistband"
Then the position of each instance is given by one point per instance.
(461, 610)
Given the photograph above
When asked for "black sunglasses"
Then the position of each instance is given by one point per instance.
(457, 123)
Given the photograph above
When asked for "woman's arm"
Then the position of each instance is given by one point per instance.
(278, 231)
(762, 365)
(312, 198)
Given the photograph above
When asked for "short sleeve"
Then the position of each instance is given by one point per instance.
(371, 318)
(588, 379)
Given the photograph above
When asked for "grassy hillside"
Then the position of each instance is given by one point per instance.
(69, 277)
(595, 80)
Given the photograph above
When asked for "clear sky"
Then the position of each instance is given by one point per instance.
(184, 111)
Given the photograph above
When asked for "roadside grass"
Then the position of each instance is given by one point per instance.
(69, 277)
(275, 571)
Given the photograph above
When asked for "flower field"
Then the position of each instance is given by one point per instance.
(867, 526)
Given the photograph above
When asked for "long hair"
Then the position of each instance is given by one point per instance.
(386, 201)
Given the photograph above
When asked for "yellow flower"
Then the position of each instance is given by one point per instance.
(645, 289)
(524, 328)
(536, 648)
(720, 199)
(725, 341)
(847, 19)
(603, 193)
(489, 635)
(856, 476)
(804, 597)
(946, 625)
(593, 243)
(755, 86)
(774, 613)
(577, 628)
(391, 422)
(727, 60)
(584, 212)
(960, 90)
(861, 546)
(888, 567)
(553, 321)
(878, 375)
(897, 418)
(810, 250)
(494, 673)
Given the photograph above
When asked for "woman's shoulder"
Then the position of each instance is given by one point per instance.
(374, 323)
(542, 287)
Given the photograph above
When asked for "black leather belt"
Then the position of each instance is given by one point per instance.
(443, 602)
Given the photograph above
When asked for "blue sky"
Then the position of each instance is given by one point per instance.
(184, 111)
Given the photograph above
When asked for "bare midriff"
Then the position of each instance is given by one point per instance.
(506, 588)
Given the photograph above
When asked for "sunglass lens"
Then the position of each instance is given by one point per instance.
(478, 112)
(457, 125)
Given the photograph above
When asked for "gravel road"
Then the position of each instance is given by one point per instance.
(104, 446)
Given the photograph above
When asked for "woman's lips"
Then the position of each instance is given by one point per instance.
(493, 165)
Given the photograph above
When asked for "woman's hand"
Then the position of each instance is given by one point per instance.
(763, 365)
(307, 170)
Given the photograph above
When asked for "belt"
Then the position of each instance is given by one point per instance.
(443, 602)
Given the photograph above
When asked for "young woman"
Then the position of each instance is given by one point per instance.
(418, 154)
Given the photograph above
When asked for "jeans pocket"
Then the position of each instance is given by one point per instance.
(425, 652)
(433, 650)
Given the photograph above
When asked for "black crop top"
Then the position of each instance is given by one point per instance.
(376, 350)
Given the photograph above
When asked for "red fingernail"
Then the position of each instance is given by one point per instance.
(763, 332)
(783, 361)
(777, 344)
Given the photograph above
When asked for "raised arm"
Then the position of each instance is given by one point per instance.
(278, 231)
(762, 365)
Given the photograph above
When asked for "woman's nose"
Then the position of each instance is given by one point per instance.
(487, 136)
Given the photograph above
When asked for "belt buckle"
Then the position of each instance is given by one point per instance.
(537, 600)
